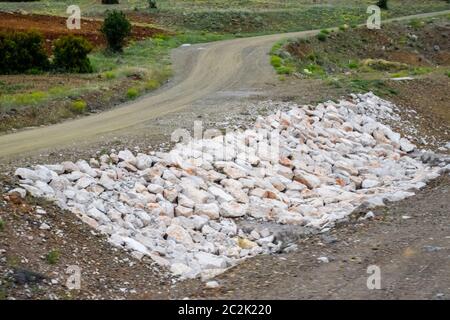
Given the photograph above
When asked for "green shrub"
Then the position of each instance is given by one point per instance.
(276, 61)
(325, 31)
(22, 51)
(70, 54)
(79, 106)
(152, 4)
(322, 36)
(2, 225)
(52, 257)
(116, 28)
(448, 74)
(110, 1)
(132, 93)
(383, 4)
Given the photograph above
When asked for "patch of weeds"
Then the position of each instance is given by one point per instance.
(132, 93)
(448, 74)
(282, 77)
(378, 87)
(277, 47)
(325, 31)
(353, 64)
(110, 75)
(314, 70)
(416, 24)
(2, 224)
(52, 257)
(79, 106)
(400, 74)
(421, 70)
(152, 84)
(344, 27)
(336, 83)
(285, 70)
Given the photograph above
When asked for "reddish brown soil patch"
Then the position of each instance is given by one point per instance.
(141, 17)
(53, 27)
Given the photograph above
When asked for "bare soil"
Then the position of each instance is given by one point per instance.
(53, 27)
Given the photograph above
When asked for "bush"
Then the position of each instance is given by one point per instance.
(110, 1)
(116, 28)
(70, 54)
(322, 36)
(276, 61)
(22, 51)
(79, 106)
(2, 225)
(152, 4)
(132, 93)
(383, 4)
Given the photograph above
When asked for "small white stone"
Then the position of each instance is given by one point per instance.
(212, 285)
(44, 226)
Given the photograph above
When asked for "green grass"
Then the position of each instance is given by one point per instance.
(52, 257)
(379, 87)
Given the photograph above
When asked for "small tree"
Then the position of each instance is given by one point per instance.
(70, 54)
(383, 4)
(116, 28)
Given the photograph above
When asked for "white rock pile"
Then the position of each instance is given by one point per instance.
(180, 208)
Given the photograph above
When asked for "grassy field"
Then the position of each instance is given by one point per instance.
(145, 65)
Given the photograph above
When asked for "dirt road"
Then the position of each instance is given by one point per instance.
(201, 71)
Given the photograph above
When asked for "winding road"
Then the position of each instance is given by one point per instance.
(200, 71)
